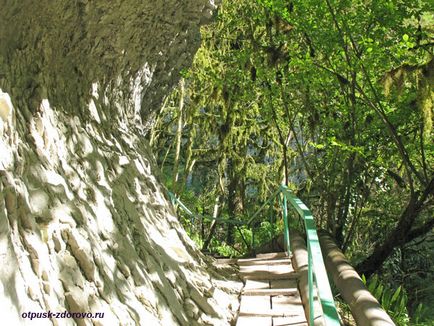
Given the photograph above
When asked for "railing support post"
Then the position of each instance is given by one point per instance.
(286, 225)
(310, 284)
(316, 269)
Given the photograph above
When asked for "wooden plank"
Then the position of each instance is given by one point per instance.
(270, 292)
(270, 296)
(283, 300)
(226, 261)
(266, 275)
(287, 306)
(247, 261)
(243, 262)
(254, 321)
(254, 268)
(280, 268)
(255, 306)
(253, 261)
(288, 321)
(255, 285)
(272, 313)
(284, 284)
(272, 255)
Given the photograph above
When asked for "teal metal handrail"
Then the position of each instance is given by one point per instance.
(316, 267)
(175, 200)
(256, 214)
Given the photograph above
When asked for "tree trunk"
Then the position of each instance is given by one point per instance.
(216, 213)
(345, 202)
(235, 202)
(178, 136)
(400, 235)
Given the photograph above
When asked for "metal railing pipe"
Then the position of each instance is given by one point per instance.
(316, 267)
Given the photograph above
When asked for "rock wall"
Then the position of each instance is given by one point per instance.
(57, 50)
(84, 222)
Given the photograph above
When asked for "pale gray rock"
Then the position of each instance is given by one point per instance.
(85, 224)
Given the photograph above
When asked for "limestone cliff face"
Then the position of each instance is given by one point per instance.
(84, 223)
(131, 48)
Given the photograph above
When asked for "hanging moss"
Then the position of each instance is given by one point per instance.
(425, 102)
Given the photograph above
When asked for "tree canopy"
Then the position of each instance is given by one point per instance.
(332, 98)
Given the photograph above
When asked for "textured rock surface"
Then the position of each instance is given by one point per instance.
(84, 223)
(57, 50)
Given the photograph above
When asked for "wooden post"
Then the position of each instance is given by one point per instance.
(364, 307)
(300, 263)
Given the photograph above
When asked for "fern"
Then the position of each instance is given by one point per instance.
(394, 302)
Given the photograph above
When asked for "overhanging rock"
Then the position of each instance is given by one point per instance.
(84, 224)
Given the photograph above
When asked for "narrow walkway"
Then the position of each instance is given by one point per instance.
(270, 296)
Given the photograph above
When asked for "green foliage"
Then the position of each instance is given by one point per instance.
(394, 302)
(224, 250)
(266, 232)
(334, 95)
